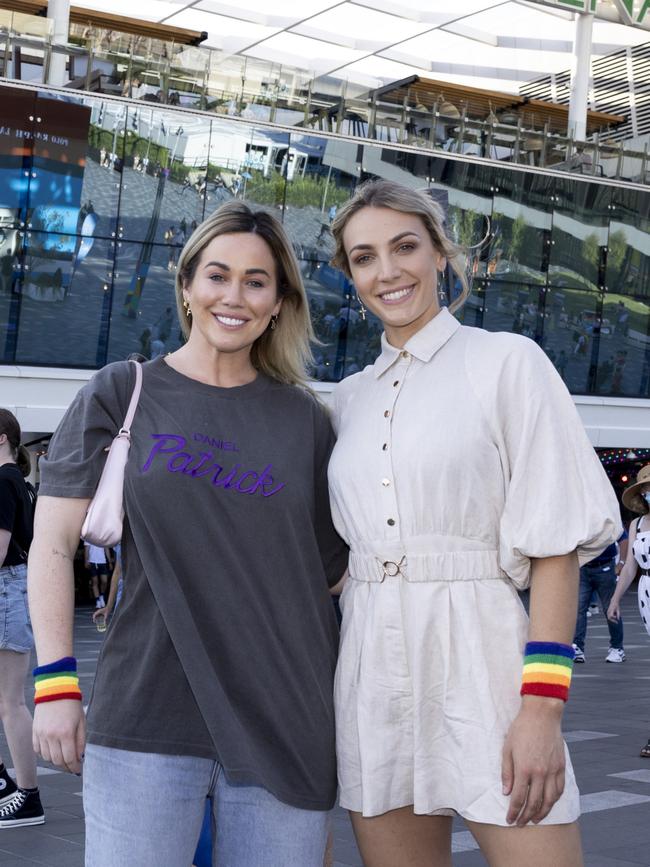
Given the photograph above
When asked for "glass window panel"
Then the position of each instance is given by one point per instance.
(163, 178)
(515, 307)
(472, 311)
(10, 269)
(520, 228)
(246, 163)
(143, 316)
(60, 145)
(16, 145)
(101, 181)
(580, 217)
(321, 176)
(65, 297)
(628, 244)
(468, 225)
(571, 336)
(624, 346)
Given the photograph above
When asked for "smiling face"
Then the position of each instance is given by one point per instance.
(233, 294)
(393, 264)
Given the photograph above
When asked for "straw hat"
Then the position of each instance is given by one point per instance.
(631, 496)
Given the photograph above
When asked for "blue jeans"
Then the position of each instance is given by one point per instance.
(146, 809)
(601, 579)
(15, 625)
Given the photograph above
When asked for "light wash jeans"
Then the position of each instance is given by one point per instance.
(15, 625)
(146, 810)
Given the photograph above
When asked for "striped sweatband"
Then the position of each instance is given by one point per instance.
(547, 669)
(57, 680)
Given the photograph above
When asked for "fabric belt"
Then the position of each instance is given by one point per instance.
(419, 567)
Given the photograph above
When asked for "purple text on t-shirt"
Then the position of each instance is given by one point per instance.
(201, 465)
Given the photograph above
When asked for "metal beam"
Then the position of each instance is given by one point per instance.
(580, 75)
(402, 41)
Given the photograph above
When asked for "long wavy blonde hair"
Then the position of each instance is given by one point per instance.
(381, 193)
(283, 353)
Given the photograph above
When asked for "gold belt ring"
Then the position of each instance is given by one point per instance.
(391, 568)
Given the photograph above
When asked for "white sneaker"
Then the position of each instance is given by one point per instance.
(579, 654)
(615, 654)
(593, 609)
(100, 602)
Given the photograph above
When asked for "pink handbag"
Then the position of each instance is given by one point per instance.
(105, 516)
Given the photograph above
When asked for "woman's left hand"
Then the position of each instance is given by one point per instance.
(533, 761)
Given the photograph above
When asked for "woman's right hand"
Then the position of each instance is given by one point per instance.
(59, 733)
(614, 610)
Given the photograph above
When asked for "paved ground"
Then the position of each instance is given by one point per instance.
(607, 721)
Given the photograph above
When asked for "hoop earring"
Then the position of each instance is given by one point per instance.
(186, 305)
(362, 309)
(274, 321)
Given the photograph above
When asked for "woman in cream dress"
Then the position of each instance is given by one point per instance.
(461, 474)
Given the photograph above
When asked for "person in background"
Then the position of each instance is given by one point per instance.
(20, 802)
(599, 577)
(637, 498)
(97, 562)
(114, 591)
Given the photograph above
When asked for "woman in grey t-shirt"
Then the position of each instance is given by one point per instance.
(215, 678)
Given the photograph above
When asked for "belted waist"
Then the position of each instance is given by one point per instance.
(468, 565)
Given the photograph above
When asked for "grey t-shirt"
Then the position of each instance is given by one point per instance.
(224, 643)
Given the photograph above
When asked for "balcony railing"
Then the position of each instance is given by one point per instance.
(156, 71)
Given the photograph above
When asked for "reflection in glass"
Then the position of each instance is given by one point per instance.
(515, 307)
(572, 335)
(64, 300)
(521, 223)
(150, 326)
(628, 245)
(625, 346)
(320, 178)
(163, 179)
(563, 261)
(242, 165)
(579, 236)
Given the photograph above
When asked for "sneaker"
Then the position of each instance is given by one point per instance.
(99, 602)
(579, 654)
(593, 609)
(8, 788)
(23, 809)
(615, 654)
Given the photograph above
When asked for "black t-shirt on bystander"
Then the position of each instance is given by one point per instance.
(15, 514)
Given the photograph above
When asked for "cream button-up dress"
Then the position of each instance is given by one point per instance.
(458, 459)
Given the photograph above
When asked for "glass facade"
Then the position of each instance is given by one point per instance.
(97, 197)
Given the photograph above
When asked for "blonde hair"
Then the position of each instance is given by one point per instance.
(284, 353)
(381, 193)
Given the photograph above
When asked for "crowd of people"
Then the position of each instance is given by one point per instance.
(450, 473)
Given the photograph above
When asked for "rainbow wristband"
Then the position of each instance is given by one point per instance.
(56, 681)
(547, 669)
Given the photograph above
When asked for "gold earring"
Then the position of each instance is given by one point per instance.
(362, 309)
(186, 305)
(440, 284)
(274, 321)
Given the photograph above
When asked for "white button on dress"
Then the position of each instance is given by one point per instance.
(489, 466)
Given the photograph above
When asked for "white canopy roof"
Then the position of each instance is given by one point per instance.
(496, 45)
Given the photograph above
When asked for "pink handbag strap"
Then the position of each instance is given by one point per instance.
(125, 430)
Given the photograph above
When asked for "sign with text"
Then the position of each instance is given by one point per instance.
(635, 13)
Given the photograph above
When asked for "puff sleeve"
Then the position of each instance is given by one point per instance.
(557, 495)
